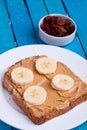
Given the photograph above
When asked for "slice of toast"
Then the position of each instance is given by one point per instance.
(56, 103)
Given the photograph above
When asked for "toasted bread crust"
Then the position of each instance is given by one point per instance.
(51, 114)
(37, 115)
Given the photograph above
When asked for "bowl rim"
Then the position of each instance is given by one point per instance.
(56, 37)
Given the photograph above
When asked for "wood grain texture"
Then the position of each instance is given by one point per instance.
(6, 35)
(54, 6)
(21, 22)
(37, 11)
(78, 11)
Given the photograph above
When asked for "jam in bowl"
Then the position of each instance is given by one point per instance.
(57, 29)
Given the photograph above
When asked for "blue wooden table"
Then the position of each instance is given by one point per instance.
(19, 26)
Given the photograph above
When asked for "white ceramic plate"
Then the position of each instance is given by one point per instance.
(12, 115)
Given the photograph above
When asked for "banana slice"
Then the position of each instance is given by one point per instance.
(62, 82)
(22, 75)
(45, 65)
(35, 95)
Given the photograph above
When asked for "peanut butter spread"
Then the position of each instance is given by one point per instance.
(56, 99)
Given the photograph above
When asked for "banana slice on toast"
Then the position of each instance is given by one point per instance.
(22, 75)
(45, 65)
(35, 95)
(62, 82)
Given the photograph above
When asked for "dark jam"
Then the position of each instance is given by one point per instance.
(58, 26)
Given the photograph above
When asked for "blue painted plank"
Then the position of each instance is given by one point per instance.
(15, 129)
(4, 126)
(75, 47)
(78, 11)
(37, 11)
(6, 36)
(21, 22)
(56, 6)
